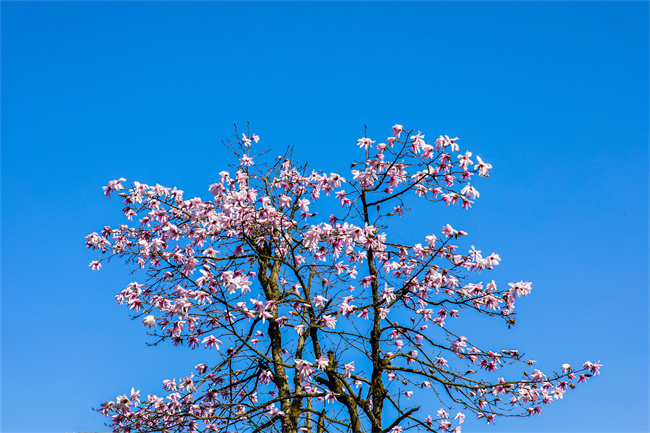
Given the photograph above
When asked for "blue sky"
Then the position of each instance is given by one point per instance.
(553, 95)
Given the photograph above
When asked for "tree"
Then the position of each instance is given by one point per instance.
(319, 325)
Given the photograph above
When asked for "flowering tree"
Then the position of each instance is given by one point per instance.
(319, 325)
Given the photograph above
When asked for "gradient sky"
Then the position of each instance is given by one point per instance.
(553, 94)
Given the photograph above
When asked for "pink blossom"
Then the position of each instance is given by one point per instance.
(169, 385)
(330, 397)
(266, 377)
(319, 301)
(135, 396)
(349, 368)
(464, 160)
(304, 204)
(346, 308)
(95, 265)
(594, 368)
(322, 362)
(285, 201)
(210, 341)
(417, 143)
(312, 238)
(113, 185)
(520, 288)
(459, 345)
(304, 369)
(388, 294)
(448, 230)
(538, 376)
(329, 321)
(246, 161)
(397, 130)
(149, 321)
(440, 361)
(470, 191)
(482, 167)
(364, 143)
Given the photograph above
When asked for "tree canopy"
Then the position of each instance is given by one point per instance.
(320, 324)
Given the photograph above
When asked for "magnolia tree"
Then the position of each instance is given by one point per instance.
(320, 325)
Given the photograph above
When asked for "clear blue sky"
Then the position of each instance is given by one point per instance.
(553, 95)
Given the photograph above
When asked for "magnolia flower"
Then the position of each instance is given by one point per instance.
(365, 143)
(448, 230)
(349, 368)
(304, 369)
(520, 288)
(538, 376)
(149, 321)
(299, 329)
(322, 362)
(285, 201)
(266, 377)
(329, 321)
(482, 167)
(246, 161)
(319, 301)
(441, 362)
(211, 341)
(135, 397)
(113, 185)
(304, 204)
(464, 160)
(594, 368)
(470, 191)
